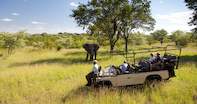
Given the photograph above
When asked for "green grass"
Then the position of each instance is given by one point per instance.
(50, 77)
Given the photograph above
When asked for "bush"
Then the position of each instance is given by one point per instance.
(183, 41)
(137, 39)
(180, 38)
(150, 40)
(10, 42)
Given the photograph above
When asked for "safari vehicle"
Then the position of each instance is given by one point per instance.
(138, 74)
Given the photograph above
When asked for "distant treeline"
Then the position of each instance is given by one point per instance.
(21, 39)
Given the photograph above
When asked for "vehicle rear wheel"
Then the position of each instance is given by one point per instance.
(151, 83)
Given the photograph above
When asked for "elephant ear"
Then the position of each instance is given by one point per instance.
(96, 47)
(86, 46)
(90, 47)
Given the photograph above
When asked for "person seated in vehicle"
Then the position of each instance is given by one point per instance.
(158, 58)
(152, 58)
(93, 74)
(169, 63)
(124, 68)
(113, 70)
(167, 58)
(157, 64)
(144, 66)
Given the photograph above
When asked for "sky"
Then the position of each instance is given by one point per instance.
(53, 16)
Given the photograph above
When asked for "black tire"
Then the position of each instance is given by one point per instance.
(152, 81)
(105, 84)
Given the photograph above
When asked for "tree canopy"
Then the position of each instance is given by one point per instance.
(192, 4)
(114, 18)
(159, 35)
(180, 38)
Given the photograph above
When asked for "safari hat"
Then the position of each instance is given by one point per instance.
(125, 61)
(95, 61)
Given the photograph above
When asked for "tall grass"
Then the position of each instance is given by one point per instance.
(50, 77)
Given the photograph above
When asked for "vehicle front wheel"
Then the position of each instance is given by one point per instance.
(106, 84)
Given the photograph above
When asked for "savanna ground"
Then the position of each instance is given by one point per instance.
(50, 77)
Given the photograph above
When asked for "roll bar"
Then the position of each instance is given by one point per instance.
(148, 50)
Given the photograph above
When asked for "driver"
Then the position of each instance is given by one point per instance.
(93, 73)
(95, 68)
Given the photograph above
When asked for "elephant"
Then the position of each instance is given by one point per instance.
(91, 50)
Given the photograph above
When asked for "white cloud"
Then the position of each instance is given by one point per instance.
(15, 14)
(37, 23)
(73, 4)
(173, 21)
(161, 1)
(53, 29)
(177, 17)
(31, 28)
(6, 19)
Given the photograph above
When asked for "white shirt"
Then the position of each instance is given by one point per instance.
(151, 59)
(95, 68)
(112, 70)
(123, 67)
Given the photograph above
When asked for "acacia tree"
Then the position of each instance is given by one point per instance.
(180, 38)
(135, 14)
(150, 39)
(176, 35)
(192, 4)
(114, 17)
(99, 36)
(159, 35)
(103, 14)
(10, 42)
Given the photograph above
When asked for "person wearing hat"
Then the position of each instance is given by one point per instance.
(92, 75)
(95, 68)
(152, 58)
(158, 58)
(112, 70)
(157, 64)
(124, 67)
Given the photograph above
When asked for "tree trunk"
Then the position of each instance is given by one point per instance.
(161, 41)
(95, 55)
(87, 57)
(9, 51)
(176, 43)
(113, 43)
(112, 47)
(126, 36)
(113, 37)
(126, 45)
